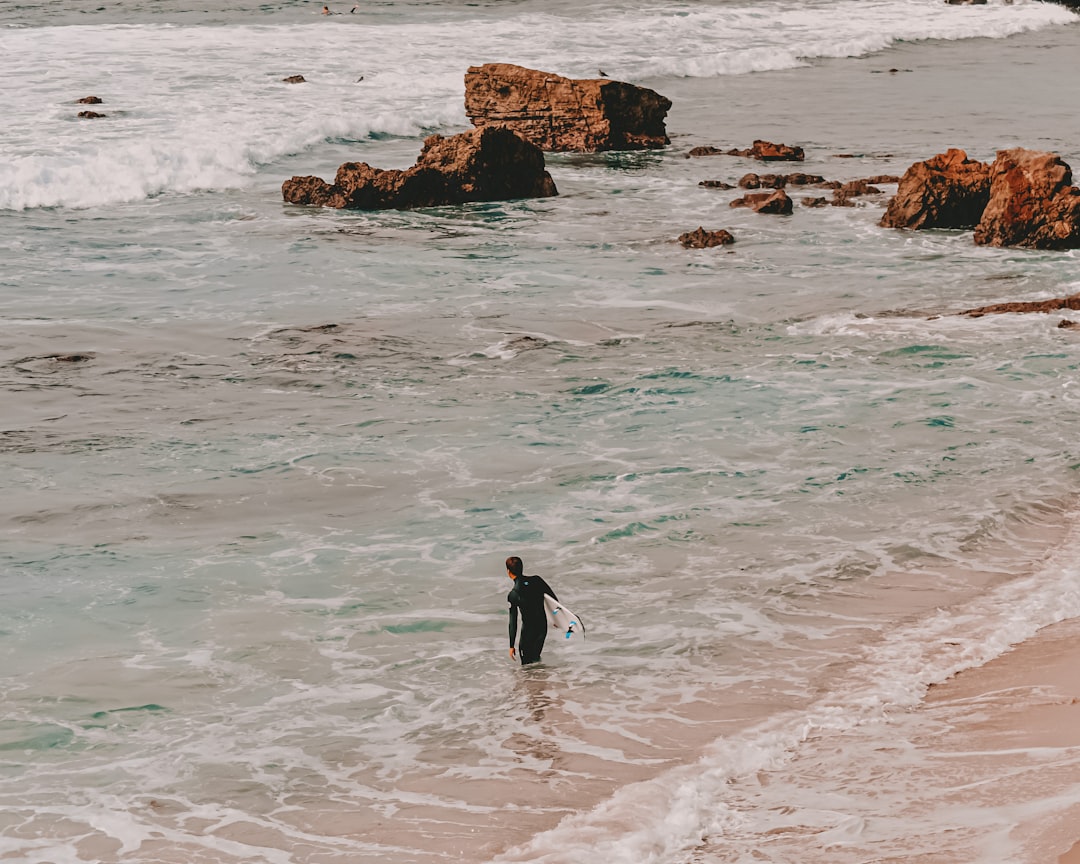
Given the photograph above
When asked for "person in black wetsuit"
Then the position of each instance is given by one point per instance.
(527, 598)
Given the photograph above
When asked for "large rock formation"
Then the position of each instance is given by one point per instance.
(1032, 202)
(489, 164)
(563, 114)
(947, 191)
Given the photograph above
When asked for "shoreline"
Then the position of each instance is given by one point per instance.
(1000, 719)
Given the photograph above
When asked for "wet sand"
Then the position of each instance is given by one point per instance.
(1012, 725)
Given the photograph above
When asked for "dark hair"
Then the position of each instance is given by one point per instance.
(514, 565)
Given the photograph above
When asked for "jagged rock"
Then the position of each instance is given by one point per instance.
(702, 239)
(947, 191)
(1066, 324)
(715, 184)
(88, 100)
(1032, 202)
(776, 202)
(815, 202)
(563, 114)
(766, 151)
(295, 79)
(1057, 303)
(883, 178)
(778, 181)
(91, 115)
(488, 164)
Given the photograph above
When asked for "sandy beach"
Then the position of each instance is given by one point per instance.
(995, 726)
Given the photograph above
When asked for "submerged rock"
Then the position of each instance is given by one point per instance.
(1032, 202)
(88, 100)
(295, 79)
(91, 115)
(947, 191)
(564, 114)
(487, 164)
(766, 151)
(1054, 305)
(778, 181)
(702, 239)
(776, 202)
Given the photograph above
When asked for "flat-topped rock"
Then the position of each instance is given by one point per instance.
(1055, 304)
(565, 114)
(488, 164)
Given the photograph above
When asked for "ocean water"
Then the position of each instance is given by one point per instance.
(263, 463)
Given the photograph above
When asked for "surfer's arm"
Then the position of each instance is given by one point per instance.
(513, 627)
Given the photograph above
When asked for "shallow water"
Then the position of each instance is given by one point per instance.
(268, 460)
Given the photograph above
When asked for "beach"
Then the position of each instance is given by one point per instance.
(267, 461)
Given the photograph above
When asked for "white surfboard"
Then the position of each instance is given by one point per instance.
(562, 619)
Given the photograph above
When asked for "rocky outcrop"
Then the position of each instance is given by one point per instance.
(91, 115)
(1032, 203)
(947, 191)
(844, 192)
(295, 79)
(488, 164)
(88, 100)
(776, 202)
(766, 151)
(778, 181)
(565, 114)
(1054, 305)
(702, 239)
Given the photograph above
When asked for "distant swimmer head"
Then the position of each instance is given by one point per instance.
(325, 10)
(514, 567)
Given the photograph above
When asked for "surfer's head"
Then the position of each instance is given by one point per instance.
(514, 566)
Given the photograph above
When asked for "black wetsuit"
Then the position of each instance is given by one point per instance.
(527, 597)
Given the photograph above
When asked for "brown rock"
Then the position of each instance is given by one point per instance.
(91, 115)
(883, 178)
(295, 79)
(766, 151)
(563, 114)
(1032, 202)
(88, 100)
(1070, 302)
(843, 193)
(705, 151)
(815, 202)
(715, 184)
(778, 181)
(1066, 324)
(776, 202)
(702, 239)
(488, 164)
(947, 191)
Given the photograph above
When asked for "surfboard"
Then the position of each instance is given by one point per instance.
(562, 619)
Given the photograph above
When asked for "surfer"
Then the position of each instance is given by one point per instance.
(527, 598)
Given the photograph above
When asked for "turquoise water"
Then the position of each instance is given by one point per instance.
(265, 462)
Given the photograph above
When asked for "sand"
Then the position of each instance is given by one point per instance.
(1019, 709)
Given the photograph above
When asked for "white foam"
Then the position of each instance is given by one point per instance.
(658, 820)
(204, 108)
